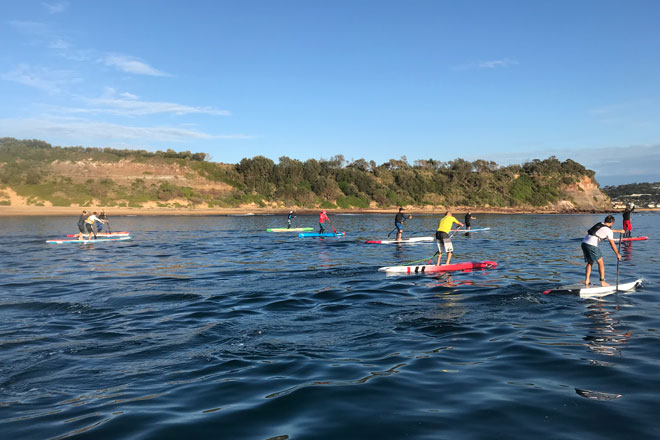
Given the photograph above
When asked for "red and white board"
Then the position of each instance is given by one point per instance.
(631, 239)
(85, 241)
(432, 268)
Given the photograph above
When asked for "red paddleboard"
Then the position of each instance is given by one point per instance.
(432, 268)
(631, 239)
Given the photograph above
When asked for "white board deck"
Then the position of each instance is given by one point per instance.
(403, 240)
(596, 291)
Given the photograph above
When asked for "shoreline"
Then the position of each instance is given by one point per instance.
(10, 211)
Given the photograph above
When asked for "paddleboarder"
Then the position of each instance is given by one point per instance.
(442, 238)
(291, 217)
(323, 218)
(81, 223)
(90, 224)
(101, 217)
(627, 226)
(468, 218)
(592, 254)
(398, 223)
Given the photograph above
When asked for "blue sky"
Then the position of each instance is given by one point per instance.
(507, 81)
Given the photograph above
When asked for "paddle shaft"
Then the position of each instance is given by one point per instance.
(333, 228)
(617, 263)
(455, 231)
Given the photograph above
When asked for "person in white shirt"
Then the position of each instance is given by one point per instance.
(90, 224)
(592, 254)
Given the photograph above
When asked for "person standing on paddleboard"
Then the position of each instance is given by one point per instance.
(291, 217)
(442, 238)
(627, 226)
(102, 218)
(591, 251)
(323, 218)
(90, 224)
(398, 222)
(81, 224)
(468, 218)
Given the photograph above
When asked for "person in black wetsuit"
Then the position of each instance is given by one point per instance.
(398, 222)
(101, 217)
(81, 222)
(291, 217)
(468, 217)
(627, 226)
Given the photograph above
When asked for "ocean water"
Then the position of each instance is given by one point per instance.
(210, 327)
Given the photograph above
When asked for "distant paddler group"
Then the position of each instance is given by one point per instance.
(90, 227)
(91, 224)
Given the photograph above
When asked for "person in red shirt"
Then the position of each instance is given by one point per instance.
(323, 218)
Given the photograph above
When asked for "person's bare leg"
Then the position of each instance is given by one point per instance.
(398, 235)
(587, 274)
(601, 271)
(449, 254)
(439, 258)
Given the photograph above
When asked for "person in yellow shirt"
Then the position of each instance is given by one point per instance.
(442, 238)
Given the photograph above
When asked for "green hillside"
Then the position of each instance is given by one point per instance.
(62, 176)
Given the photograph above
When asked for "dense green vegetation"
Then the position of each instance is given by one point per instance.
(25, 166)
(638, 193)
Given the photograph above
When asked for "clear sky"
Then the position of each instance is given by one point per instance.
(507, 81)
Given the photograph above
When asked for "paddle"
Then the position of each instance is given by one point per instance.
(333, 228)
(617, 263)
(109, 230)
(431, 259)
(455, 231)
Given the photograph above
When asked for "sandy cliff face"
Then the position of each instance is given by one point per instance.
(584, 195)
(124, 172)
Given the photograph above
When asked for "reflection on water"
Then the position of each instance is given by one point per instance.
(605, 337)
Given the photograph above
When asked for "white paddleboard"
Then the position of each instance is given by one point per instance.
(596, 291)
(403, 240)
